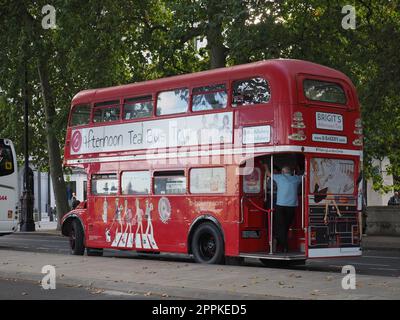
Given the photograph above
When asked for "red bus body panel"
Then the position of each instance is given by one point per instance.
(227, 210)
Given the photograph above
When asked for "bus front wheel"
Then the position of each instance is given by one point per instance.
(76, 238)
(208, 244)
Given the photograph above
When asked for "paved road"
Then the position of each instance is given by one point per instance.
(381, 263)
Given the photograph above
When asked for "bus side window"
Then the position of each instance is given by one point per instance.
(174, 101)
(209, 97)
(207, 180)
(250, 91)
(106, 111)
(104, 184)
(80, 115)
(139, 107)
(169, 182)
(135, 182)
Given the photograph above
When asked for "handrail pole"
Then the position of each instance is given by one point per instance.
(302, 202)
(241, 210)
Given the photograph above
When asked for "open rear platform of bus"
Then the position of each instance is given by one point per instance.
(322, 225)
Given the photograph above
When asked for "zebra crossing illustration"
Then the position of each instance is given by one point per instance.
(126, 238)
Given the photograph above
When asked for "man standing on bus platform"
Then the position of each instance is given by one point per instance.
(286, 204)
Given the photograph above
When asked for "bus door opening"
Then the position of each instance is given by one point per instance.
(259, 203)
(281, 225)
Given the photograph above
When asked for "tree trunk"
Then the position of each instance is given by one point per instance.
(55, 163)
(214, 35)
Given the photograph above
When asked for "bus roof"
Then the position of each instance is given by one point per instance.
(287, 68)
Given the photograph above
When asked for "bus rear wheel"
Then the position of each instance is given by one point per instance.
(76, 238)
(94, 252)
(207, 244)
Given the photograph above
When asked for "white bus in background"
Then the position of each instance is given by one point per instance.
(8, 188)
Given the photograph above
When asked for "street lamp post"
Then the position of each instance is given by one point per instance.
(27, 223)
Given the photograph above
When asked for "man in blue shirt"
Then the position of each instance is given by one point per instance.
(286, 204)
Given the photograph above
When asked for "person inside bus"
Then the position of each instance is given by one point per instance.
(75, 201)
(286, 204)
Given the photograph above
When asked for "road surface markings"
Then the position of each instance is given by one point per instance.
(385, 269)
(361, 264)
(382, 257)
(371, 264)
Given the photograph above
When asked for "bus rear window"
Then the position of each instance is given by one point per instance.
(80, 115)
(324, 91)
(6, 159)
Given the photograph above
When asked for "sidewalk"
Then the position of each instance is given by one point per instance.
(385, 243)
(44, 228)
(192, 281)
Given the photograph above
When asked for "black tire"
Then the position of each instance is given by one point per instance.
(77, 238)
(94, 252)
(208, 244)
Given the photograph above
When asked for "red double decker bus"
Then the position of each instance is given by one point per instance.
(179, 164)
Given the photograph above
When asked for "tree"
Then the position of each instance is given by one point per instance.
(61, 62)
(98, 44)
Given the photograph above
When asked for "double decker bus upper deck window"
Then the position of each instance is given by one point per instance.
(106, 111)
(209, 97)
(174, 101)
(104, 184)
(139, 107)
(6, 159)
(250, 91)
(169, 182)
(324, 91)
(80, 115)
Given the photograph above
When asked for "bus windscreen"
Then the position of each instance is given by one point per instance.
(6, 159)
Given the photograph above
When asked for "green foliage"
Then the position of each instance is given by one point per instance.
(105, 43)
